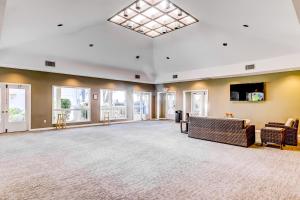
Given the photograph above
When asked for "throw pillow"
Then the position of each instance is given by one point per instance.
(290, 122)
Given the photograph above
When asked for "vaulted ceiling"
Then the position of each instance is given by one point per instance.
(30, 35)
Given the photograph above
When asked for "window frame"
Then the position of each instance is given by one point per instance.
(150, 104)
(89, 109)
(111, 106)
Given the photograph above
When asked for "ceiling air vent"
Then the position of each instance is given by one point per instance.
(137, 76)
(250, 67)
(49, 63)
(175, 76)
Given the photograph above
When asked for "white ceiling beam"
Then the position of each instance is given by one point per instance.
(264, 66)
(2, 13)
(297, 8)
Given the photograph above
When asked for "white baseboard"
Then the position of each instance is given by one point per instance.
(81, 126)
(41, 129)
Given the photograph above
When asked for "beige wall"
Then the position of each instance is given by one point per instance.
(163, 98)
(41, 91)
(282, 94)
(282, 97)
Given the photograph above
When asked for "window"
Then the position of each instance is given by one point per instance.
(75, 103)
(113, 103)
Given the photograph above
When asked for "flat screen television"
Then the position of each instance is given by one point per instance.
(252, 92)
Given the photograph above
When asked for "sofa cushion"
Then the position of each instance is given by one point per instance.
(218, 123)
(247, 122)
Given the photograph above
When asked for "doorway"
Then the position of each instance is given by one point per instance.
(141, 106)
(195, 103)
(14, 107)
(166, 104)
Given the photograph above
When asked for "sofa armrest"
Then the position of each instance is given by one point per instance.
(250, 129)
(250, 133)
(278, 126)
(276, 123)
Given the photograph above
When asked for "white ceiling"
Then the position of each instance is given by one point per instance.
(30, 27)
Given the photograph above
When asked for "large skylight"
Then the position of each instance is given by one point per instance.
(153, 17)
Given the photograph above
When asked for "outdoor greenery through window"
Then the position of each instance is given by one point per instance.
(74, 103)
(17, 105)
(113, 104)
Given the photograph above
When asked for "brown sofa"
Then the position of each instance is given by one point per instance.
(229, 131)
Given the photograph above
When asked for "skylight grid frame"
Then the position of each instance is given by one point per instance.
(149, 6)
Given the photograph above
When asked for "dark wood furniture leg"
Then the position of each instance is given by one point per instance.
(282, 139)
(181, 127)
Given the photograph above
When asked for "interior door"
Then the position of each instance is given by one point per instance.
(145, 106)
(15, 108)
(141, 106)
(171, 104)
(137, 112)
(2, 109)
(199, 104)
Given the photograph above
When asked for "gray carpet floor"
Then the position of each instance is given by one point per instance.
(146, 160)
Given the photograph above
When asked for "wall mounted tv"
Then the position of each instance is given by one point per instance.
(252, 92)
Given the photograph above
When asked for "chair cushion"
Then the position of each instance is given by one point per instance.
(273, 129)
(290, 122)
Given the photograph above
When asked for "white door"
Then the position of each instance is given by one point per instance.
(2, 108)
(141, 106)
(14, 108)
(171, 105)
(199, 104)
(145, 106)
(137, 106)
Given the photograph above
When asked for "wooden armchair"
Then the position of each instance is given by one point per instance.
(273, 135)
(291, 132)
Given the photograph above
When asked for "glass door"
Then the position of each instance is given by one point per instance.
(2, 109)
(141, 106)
(171, 105)
(137, 112)
(14, 108)
(199, 104)
(16, 119)
(145, 106)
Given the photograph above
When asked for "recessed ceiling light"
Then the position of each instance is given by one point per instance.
(225, 44)
(138, 5)
(91, 45)
(153, 17)
(245, 25)
(179, 13)
(59, 25)
(126, 13)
